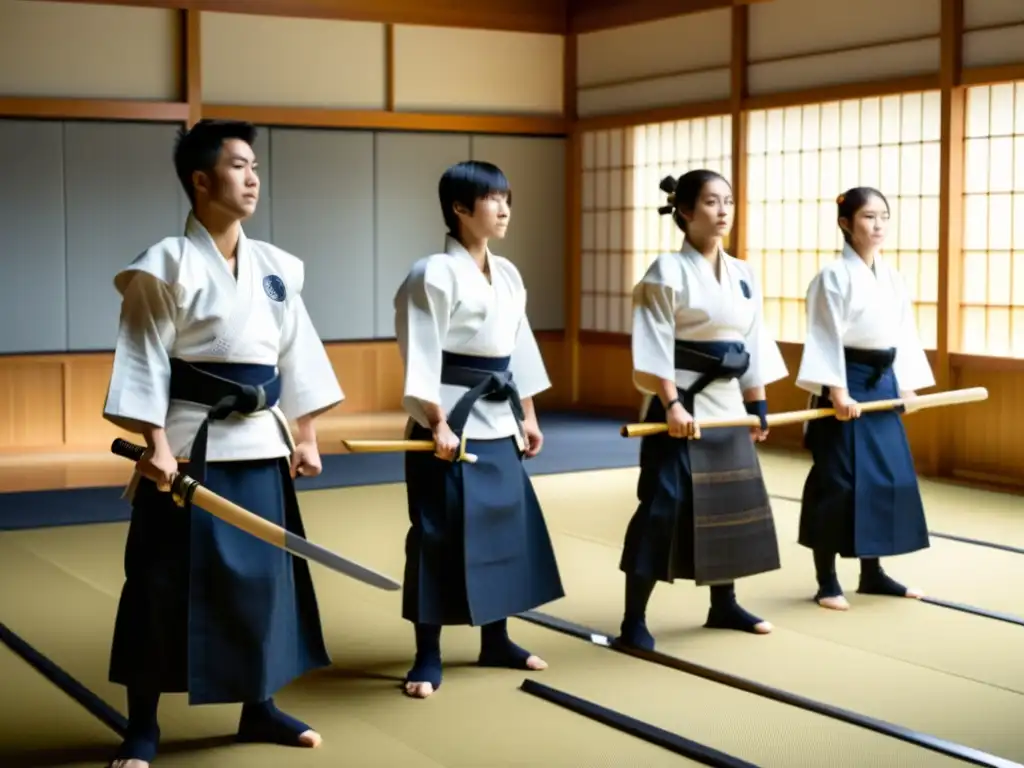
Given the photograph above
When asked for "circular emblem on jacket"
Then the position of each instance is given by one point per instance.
(274, 286)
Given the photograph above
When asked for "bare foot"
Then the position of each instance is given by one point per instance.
(763, 628)
(915, 593)
(419, 690)
(536, 663)
(310, 739)
(133, 763)
(838, 603)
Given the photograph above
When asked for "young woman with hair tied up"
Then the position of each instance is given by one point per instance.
(700, 350)
(861, 498)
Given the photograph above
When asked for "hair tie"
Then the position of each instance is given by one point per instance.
(840, 199)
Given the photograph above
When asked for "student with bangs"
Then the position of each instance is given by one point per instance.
(478, 549)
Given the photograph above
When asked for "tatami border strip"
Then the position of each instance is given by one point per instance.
(673, 742)
(927, 741)
(96, 706)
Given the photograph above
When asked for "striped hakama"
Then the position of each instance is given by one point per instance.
(704, 512)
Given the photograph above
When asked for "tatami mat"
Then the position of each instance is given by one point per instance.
(920, 666)
(38, 718)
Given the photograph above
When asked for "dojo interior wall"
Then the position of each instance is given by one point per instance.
(81, 197)
(727, 72)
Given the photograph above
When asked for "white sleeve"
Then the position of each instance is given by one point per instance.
(140, 382)
(823, 363)
(911, 366)
(527, 364)
(766, 362)
(654, 331)
(423, 306)
(308, 381)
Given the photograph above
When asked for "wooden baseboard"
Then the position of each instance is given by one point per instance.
(53, 404)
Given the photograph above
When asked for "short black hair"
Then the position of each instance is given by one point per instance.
(851, 201)
(684, 192)
(467, 182)
(198, 148)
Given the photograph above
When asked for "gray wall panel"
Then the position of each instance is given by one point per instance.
(122, 196)
(322, 183)
(535, 241)
(409, 223)
(80, 200)
(33, 295)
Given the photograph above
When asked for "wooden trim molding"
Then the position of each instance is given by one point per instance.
(843, 91)
(543, 16)
(1002, 73)
(537, 125)
(657, 115)
(192, 81)
(94, 109)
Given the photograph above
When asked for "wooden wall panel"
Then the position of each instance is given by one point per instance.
(52, 50)
(430, 75)
(641, 66)
(301, 62)
(987, 445)
(54, 403)
(31, 403)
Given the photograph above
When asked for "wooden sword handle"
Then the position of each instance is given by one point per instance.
(937, 399)
(185, 489)
(390, 446)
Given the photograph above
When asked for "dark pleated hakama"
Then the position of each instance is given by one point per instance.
(861, 498)
(206, 607)
(704, 513)
(478, 548)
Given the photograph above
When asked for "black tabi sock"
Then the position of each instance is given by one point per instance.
(143, 735)
(497, 650)
(634, 630)
(825, 572)
(726, 613)
(427, 666)
(264, 722)
(874, 581)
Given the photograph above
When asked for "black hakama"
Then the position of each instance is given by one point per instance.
(704, 513)
(206, 607)
(478, 548)
(861, 498)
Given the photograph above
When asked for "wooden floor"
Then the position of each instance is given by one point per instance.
(42, 472)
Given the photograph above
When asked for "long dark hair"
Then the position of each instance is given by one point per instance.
(684, 192)
(851, 201)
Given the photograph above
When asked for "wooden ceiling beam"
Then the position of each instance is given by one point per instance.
(594, 15)
(545, 16)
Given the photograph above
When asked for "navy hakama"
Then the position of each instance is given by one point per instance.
(704, 513)
(478, 548)
(206, 607)
(861, 498)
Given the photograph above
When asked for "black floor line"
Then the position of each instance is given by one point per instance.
(927, 741)
(92, 703)
(1009, 618)
(673, 742)
(977, 542)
